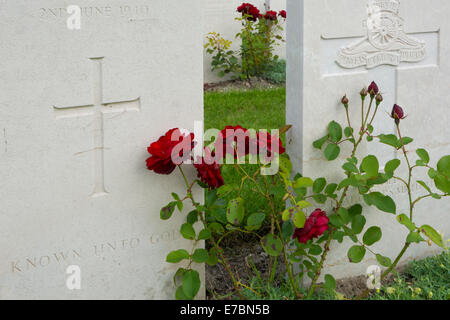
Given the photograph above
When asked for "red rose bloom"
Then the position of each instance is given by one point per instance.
(233, 140)
(315, 226)
(250, 10)
(209, 174)
(282, 14)
(267, 145)
(270, 15)
(161, 160)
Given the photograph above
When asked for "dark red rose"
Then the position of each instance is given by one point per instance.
(315, 226)
(232, 140)
(270, 15)
(282, 13)
(373, 89)
(267, 145)
(397, 113)
(161, 160)
(250, 11)
(209, 173)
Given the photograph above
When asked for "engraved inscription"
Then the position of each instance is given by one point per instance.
(97, 110)
(385, 42)
(97, 250)
(124, 11)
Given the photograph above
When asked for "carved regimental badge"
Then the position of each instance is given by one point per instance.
(385, 43)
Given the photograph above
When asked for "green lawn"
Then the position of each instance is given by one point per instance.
(424, 279)
(256, 109)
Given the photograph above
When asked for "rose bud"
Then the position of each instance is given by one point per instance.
(373, 89)
(379, 99)
(397, 113)
(364, 93)
(345, 101)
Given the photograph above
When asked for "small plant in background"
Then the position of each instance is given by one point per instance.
(290, 235)
(259, 35)
(224, 60)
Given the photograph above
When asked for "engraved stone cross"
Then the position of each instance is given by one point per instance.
(97, 109)
(381, 54)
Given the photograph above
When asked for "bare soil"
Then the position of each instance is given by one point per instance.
(240, 252)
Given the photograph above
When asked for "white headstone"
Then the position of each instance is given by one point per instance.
(81, 99)
(337, 47)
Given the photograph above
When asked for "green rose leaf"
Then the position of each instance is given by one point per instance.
(272, 245)
(167, 211)
(442, 176)
(319, 185)
(332, 151)
(414, 237)
(191, 283)
(331, 188)
(255, 220)
(235, 211)
(320, 198)
(335, 131)
(404, 141)
(443, 166)
(330, 282)
(404, 220)
(299, 219)
(205, 234)
(348, 132)
(187, 231)
(389, 139)
(200, 255)
(285, 167)
(350, 167)
(179, 294)
(372, 235)
(424, 185)
(318, 144)
(343, 213)
(433, 235)
(315, 250)
(336, 220)
(177, 256)
(356, 254)
(212, 257)
(192, 217)
(358, 223)
(382, 202)
(303, 182)
(370, 166)
(423, 155)
(355, 210)
(391, 166)
(287, 230)
(384, 261)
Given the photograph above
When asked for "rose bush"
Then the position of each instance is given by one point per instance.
(290, 235)
(259, 35)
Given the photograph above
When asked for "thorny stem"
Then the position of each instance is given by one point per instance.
(411, 207)
(341, 201)
(213, 242)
